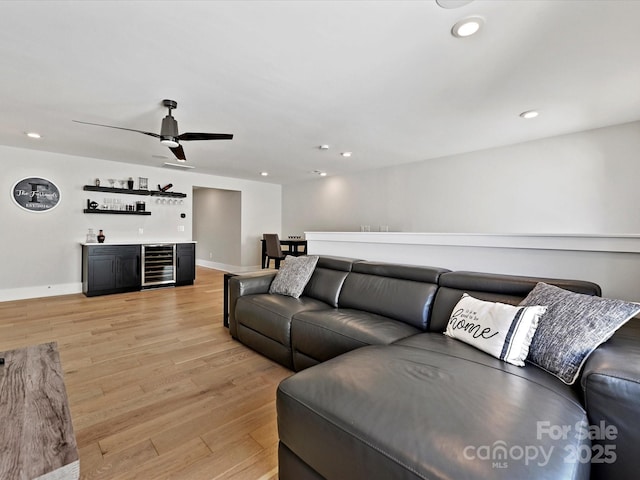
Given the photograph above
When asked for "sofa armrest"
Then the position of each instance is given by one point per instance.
(611, 385)
(248, 284)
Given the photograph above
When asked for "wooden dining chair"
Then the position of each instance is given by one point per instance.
(272, 247)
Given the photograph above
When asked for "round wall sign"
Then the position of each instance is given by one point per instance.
(36, 194)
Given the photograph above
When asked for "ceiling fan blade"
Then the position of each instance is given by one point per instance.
(205, 136)
(120, 128)
(178, 152)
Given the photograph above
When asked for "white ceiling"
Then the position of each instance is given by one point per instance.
(384, 79)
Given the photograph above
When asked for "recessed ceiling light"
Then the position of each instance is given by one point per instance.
(33, 135)
(323, 174)
(324, 147)
(264, 174)
(346, 154)
(467, 27)
(529, 114)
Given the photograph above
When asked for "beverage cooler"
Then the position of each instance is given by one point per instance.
(158, 264)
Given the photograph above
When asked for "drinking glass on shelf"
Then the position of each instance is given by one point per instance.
(112, 182)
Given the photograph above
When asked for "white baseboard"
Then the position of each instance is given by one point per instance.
(227, 268)
(40, 291)
(6, 295)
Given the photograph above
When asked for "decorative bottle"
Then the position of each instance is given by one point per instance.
(101, 237)
(91, 236)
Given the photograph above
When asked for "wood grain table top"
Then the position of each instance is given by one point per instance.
(36, 437)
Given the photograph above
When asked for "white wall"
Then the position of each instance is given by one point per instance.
(583, 183)
(217, 216)
(611, 261)
(579, 183)
(41, 252)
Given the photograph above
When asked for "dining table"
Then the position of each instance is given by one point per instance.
(295, 247)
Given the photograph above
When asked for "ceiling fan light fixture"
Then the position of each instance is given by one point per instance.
(168, 135)
(171, 142)
(177, 166)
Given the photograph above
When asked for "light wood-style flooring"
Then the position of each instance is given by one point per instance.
(156, 386)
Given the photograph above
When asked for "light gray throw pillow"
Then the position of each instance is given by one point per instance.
(293, 275)
(572, 328)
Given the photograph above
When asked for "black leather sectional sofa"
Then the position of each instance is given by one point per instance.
(390, 397)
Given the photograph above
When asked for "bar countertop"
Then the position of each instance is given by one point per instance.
(138, 242)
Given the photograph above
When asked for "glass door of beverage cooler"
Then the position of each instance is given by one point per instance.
(159, 266)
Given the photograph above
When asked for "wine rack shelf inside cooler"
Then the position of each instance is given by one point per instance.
(159, 264)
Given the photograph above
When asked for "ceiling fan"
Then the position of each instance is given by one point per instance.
(169, 132)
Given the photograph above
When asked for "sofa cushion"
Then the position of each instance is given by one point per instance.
(327, 279)
(448, 346)
(573, 327)
(491, 287)
(263, 322)
(325, 334)
(400, 292)
(393, 270)
(611, 385)
(293, 275)
(394, 411)
(271, 315)
(499, 329)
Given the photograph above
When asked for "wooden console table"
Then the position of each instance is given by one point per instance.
(36, 434)
(225, 308)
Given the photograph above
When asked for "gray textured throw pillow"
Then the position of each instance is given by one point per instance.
(293, 275)
(572, 328)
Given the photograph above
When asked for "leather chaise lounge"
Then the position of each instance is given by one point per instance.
(388, 396)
